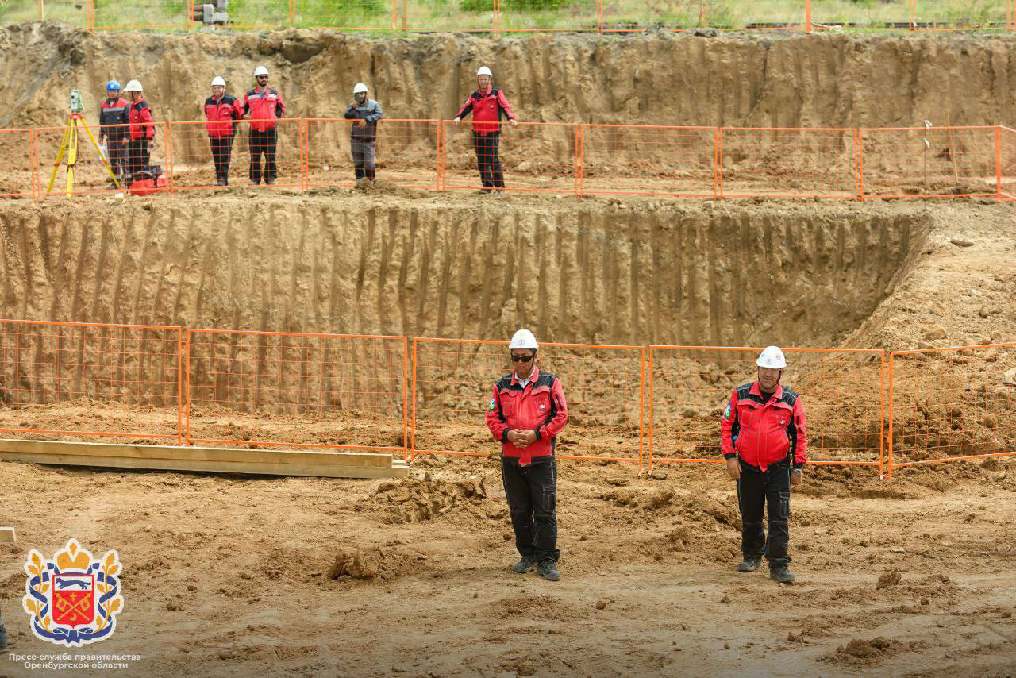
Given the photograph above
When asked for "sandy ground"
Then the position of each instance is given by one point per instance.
(238, 576)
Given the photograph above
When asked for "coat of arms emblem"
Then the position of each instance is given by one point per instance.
(72, 599)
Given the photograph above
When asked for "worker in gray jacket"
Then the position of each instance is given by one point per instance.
(366, 112)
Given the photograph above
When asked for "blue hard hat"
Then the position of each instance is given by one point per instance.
(113, 86)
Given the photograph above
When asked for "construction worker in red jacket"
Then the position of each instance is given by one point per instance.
(765, 444)
(114, 128)
(263, 106)
(526, 413)
(488, 105)
(142, 128)
(222, 111)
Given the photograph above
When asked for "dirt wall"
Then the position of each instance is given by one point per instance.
(744, 79)
(468, 267)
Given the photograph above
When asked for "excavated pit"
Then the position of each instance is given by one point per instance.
(595, 272)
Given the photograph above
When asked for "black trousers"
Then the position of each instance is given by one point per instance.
(137, 155)
(263, 143)
(532, 502)
(487, 159)
(755, 489)
(117, 150)
(222, 150)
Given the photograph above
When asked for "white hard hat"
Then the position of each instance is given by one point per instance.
(771, 357)
(484, 71)
(133, 86)
(260, 70)
(523, 339)
(359, 87)
(218, 81)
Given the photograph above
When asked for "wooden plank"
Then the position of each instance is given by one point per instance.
(7, 535)
(204, 466)
(215, 454)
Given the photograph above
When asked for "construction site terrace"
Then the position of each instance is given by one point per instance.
(672, 203)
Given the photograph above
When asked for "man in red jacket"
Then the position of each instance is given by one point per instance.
(263, 105)
(142, 130)
(488, 106)
(765, 444)
(526, 413)
(221, 111)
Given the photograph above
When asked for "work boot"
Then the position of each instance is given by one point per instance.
(781, 574)
(523, 566)
(220, 182)
(548, 570)
(269, 182)
(749, 564)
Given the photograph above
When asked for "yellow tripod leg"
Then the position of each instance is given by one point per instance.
(105, 162)
(72, 158)
(59, 159)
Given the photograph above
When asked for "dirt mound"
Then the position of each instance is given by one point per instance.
(781, 80)
(867, 652)
(373, 563)
(418, 500)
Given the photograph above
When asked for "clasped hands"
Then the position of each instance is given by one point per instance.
(521, 437)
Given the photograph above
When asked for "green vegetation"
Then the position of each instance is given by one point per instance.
(456, 15)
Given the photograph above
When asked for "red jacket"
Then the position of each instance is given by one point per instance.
(220, 114)
(140, 115)
(262, 107)
(764, 432)
(486, 108)
(540, 407)
(114, 118)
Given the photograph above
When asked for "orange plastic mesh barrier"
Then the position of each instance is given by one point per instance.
(453, 380)
(530, 157)
(649, 160)
(20, 147)
(278, 389)
(404, 153)
(117, 381)
(820, 163)
(843, 392)
(90, 174)
(558, 158)
(952, 404)
(250, 158)
(932, 162)
(608, 16)
(1007, 163)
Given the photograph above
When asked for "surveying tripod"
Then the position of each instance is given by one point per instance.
(69, 146)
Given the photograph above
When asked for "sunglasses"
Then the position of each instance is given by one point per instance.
(521, 358)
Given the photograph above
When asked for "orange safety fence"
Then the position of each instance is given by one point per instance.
(250, 156)
(607, 16)
(931, 162)
(85, 380)
(843, 393)
(404, 153)
(952, 404)
(558, 158)
(652, 160)
(1007, 163)
(800, 163)
(453, 381)
(296, 389)
(91, 176)
(20, 147)
(531, 157)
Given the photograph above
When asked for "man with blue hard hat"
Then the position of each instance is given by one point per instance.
(114, 128)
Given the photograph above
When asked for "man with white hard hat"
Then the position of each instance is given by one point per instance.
(765, 444)
(222, 112)
(365, 113)
(488, 105)
(526, 413)
(142, 130)
(263, 105)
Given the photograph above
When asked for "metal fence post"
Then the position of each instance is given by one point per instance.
(579, 159)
